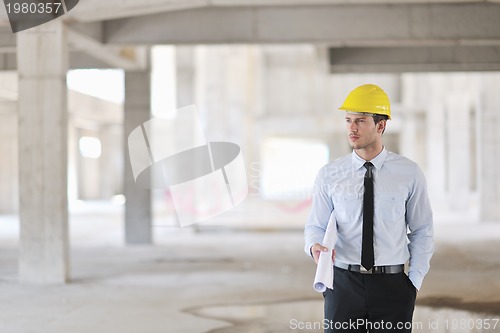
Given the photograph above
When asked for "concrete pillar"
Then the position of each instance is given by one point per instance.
(9, 189)
(489, 152)
(435, 134)
(458, 150)
(256, 107)
(89, 169)
(42, 64)
(137, 110)
(185, 74)
(111, 160)
(73, 157)
(411, 117)
(186, 95)
(408, 139)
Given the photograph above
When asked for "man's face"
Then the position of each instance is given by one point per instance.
(362, 131)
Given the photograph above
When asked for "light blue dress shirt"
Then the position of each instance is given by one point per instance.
(402, 224)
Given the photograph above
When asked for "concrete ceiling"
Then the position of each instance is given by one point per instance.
(336, 25)
(112, 31)
(98, 10)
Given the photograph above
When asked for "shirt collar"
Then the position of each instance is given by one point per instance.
(378, 161)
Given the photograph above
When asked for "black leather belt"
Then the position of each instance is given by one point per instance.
(392, 269)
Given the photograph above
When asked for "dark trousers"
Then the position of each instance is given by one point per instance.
(369, 303)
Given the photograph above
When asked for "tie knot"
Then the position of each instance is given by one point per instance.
(369, 166)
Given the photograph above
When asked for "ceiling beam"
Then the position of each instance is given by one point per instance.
(7, 40)
(97, 10)
(414, 59)
(81, 60)
(127, 58)
(336, 25)
(77, 60)
(83, 38)
(8, 62)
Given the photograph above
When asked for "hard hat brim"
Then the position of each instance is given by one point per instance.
(364, 113)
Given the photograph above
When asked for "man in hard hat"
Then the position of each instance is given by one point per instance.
(384, 220)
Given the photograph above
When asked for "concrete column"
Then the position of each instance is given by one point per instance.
(186, 95)
(110, 161)
(435, 134)
(256, 106)
(408, 140)
(489, 152)
(73, 157)
(9, 190)
(458, 149)
(137, 109)
(42, 64)
(185, 74)
(89, 170)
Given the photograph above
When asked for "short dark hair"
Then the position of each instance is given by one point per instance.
(378, 117)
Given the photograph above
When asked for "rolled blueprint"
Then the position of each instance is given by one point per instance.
(324, 269)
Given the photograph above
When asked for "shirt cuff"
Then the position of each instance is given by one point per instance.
(308, 246)
(416, 278)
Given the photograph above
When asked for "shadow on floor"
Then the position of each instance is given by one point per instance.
(306, 316)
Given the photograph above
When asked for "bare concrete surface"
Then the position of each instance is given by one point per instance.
(222, 280)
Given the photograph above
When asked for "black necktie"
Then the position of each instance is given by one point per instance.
(367, 257)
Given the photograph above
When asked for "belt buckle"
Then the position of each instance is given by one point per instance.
(363, 270)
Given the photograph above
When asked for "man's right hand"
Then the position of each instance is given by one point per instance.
(317, 248)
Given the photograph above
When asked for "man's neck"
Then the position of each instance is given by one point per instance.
(369, 154)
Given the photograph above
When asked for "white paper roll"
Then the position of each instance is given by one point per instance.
(324, 270)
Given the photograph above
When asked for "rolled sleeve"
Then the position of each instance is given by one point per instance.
(317, 220)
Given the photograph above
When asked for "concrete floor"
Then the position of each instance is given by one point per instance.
(220, 280)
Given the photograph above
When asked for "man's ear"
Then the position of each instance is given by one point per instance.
(381, 126)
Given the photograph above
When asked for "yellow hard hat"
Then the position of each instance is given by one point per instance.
(368, 98)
